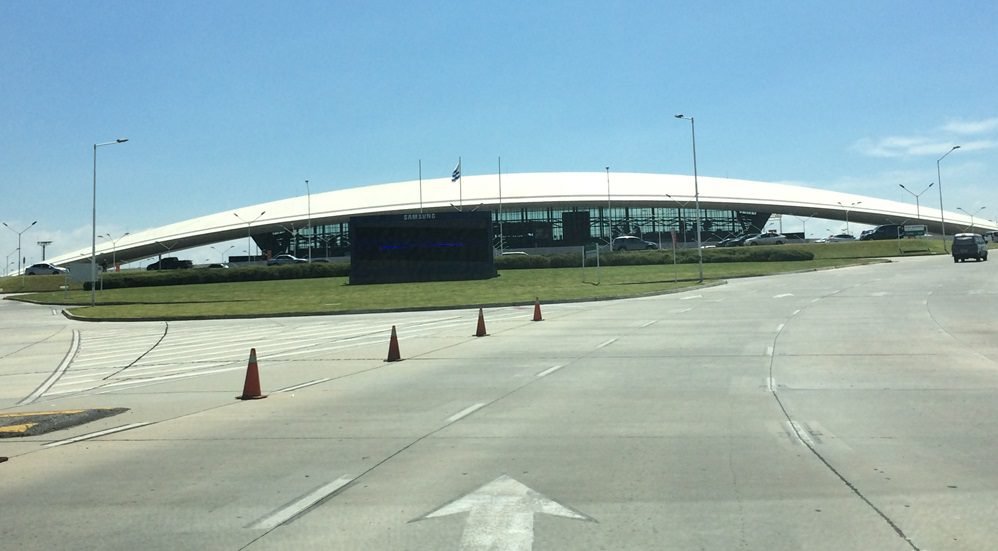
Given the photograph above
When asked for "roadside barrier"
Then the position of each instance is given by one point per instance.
(393, 348)
(480, 332)
(251, 386)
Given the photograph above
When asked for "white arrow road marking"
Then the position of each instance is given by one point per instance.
(501, 515)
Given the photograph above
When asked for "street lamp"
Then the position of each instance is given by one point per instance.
(609, 220)
(93, 226)
(918, 213)
(851, 205)
(114, 247)
(221, 254)
(19, 241)
(696, 191)
(308, 191)
(976, 212)
(939, 178)
(248, 224)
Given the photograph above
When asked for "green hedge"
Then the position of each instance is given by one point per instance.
(637, 258)
(138, 278)
(194, 276)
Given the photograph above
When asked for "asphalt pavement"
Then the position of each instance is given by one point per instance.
(842, 409)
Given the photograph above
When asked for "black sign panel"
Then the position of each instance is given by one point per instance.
(421, 247)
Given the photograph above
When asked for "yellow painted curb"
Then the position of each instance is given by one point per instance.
(17, 428)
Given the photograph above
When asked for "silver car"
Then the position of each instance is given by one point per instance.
(45, 269)
(767, 239)
(631, 243)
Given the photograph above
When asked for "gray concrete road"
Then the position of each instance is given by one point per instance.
(844, 409)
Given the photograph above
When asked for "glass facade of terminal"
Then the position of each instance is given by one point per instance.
(545, 227)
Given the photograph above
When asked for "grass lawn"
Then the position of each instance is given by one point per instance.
(334, 295)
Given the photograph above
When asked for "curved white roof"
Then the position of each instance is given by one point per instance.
(522, 190)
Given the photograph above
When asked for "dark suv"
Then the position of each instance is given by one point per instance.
(969, 245)
(887, 231)
(170, 263)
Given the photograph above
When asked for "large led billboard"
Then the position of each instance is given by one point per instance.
(421, 247)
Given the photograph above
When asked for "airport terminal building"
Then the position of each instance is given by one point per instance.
(529, 210)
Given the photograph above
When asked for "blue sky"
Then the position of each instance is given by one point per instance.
(232, 103)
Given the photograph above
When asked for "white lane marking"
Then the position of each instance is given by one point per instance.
(295, 508)
(303, 385)
(813, 300)
(795, 312)
(650, 323)
(691, 297)
(779, 327)
(465, 412)
(680, 310)
(549, 371)
(769, 350)
(95, 434)
(798, 430)
(782, 295)
(879, 294)
(68, 359)
(770, 384)
(606, 343)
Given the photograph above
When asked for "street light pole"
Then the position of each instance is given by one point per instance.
(942, 220)
(19, 241)
(971, 215)
(308, 191)
(114, 247)
(696, 192)
(918, 212)
(93, 226)
(851, 205)
(248, 224)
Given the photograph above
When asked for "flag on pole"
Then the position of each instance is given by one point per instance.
(456, 175)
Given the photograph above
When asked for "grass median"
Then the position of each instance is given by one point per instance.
(332, 295)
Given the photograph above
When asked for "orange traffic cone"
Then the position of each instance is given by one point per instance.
(251, 388)
(480, 332)
(537, 310)
(393, 348)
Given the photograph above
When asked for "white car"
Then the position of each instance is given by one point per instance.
(767, 239)
(45, 269)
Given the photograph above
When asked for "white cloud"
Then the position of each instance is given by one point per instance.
(944, 138)
(971, 127)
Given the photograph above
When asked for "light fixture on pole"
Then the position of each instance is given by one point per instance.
(851, 205)
(609, 222)
(248, 224)
(93, 226)
(939, 178)
(971, 214)
(19, 241)
(696, 191)
(43, 244)
(308, 191)
(918, 212)
(221, 254)
(114, 247)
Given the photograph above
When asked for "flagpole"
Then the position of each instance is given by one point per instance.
(501, 244)
(421, 185)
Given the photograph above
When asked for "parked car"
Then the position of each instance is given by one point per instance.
(170, 263)
(969, 245)
(283, 259)
(631, 243)
(44, 269)
(839, 238)
(767, 239)
(886, 231)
